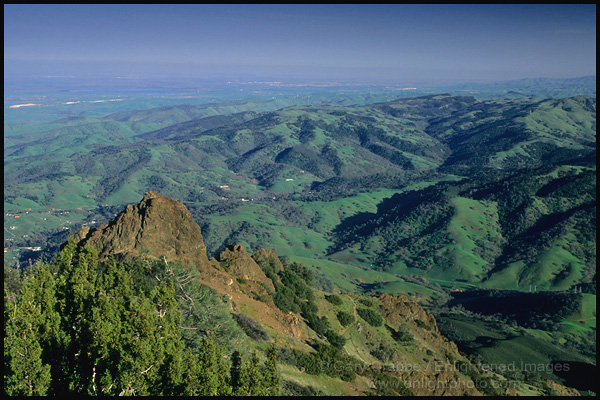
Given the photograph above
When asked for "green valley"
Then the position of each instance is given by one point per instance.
(459, 203)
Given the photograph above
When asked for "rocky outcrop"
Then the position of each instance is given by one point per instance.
(157, 226)
(162, 227)
(240, 264)
(438, 376)
(561, 390)
(400, 309)
(268, 257)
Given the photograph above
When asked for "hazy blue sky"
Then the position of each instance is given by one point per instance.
(393, 42)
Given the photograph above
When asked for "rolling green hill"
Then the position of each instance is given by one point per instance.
(498, 192)
(141, 290)
(432, 197)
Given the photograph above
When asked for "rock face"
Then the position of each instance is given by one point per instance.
(263, 256)
(562, 390)
(157, 226)
(438, 376)
(399, 309)
(240, 264)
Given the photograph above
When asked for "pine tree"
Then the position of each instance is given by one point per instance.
(78, 296)
(52, 335)
(255, 379)
(213, 370)
(222, 368)
(152, 348)
(270, 373)
(25, 371)
(108, 325)
(170, 344)
(239, 377)
(190, 384)
(78, 331)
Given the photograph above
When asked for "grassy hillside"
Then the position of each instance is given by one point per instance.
(432, 197)
(499, 192)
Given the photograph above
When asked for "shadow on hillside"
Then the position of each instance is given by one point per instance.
(578, 375)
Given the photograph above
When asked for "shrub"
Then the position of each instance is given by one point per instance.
(422, 324)
(334, 339)
(366, 302)
(328, 360)
(316, 323)
(287, 356)
(251, 327)
(401, 335)
(290, 388)
(334, 299)
(345, 318)
(372, 317)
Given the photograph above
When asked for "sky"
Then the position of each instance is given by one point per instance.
(306, 41)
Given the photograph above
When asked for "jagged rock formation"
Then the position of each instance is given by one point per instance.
(263, 256)
(240, 264)
(399, 308)
(160, 226)
(157, 226)
(439, 377)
